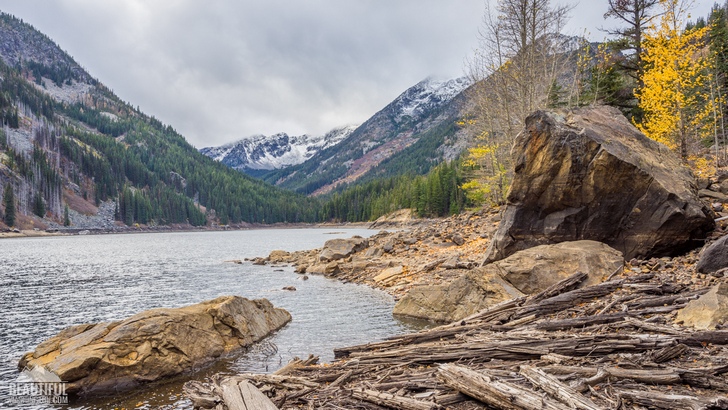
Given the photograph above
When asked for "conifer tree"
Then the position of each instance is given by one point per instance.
(39, 205)
(66, 218)
(9, 202)
(637, 16)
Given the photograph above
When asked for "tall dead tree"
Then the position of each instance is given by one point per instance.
(520, 56)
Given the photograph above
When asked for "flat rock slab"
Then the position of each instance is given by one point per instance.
(590, 174)
(157, 343)
(335, 249)
(523, 273)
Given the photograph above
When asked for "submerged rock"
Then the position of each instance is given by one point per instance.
(590, 174)
(157, 343)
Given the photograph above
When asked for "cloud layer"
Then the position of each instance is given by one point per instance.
(222, 70)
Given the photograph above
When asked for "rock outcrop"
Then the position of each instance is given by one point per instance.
(154, 344)
(471, 292)
(535, 269)
(335, 249)
(525, 272)
(714, 257)
(707, 312)
(589, 174)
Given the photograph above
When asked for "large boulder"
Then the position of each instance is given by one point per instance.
(335, 249)
(708, 311)
(111, 356)
(589, 174)
(475, 290)
(525, 272)
(535, 269)
(279, 256)
(714, 257)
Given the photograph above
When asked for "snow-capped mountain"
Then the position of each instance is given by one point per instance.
(414, 131)
(427, 95)
(262, 152)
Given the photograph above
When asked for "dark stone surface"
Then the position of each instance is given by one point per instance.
(714, 257)
(590, 174)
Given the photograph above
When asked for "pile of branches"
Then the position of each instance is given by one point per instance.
(606, 346)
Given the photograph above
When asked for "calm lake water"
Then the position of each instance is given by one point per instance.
(47, 284)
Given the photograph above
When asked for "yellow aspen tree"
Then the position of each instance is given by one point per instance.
(676, 71)
(488, 180)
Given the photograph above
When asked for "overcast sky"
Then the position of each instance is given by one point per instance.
(222, 70)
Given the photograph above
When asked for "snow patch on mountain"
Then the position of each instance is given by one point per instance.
(261, 152)
(428, 94)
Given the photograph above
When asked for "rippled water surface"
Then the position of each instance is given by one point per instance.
(47, 284)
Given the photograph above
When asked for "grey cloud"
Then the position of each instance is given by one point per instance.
(221, 70)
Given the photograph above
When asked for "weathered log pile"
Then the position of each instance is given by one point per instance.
(609, 345)
(651, 334)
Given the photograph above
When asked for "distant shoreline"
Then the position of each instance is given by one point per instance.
(33, 233)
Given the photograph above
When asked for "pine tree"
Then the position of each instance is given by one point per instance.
(66, 218)
(9, 202)
(39, 205)
(637, 15)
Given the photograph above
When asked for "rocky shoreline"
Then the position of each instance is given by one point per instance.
(541, 309)
(638, 339)
(588, 290)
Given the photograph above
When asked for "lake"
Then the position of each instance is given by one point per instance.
(49, 283)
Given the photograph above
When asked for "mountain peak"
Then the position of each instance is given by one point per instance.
(261, 152)
(427, 94)
(22, 44)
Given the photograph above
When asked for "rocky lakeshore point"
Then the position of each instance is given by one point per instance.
(601, 284)
(154, 344)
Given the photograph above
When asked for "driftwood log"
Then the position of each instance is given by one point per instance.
(230, 393)
(610, 345)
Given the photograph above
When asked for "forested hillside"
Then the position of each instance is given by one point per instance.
(69, 145)
(410, 135)
(436, 194)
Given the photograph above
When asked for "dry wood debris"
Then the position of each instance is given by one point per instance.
(606, 346)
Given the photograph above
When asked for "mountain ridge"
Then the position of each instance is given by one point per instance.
(69, 145)
(423, 118)
(261, 152)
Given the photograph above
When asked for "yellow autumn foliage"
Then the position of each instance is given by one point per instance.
(488, 180)
(673, 98)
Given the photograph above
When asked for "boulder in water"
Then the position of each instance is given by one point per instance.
(157, 343)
